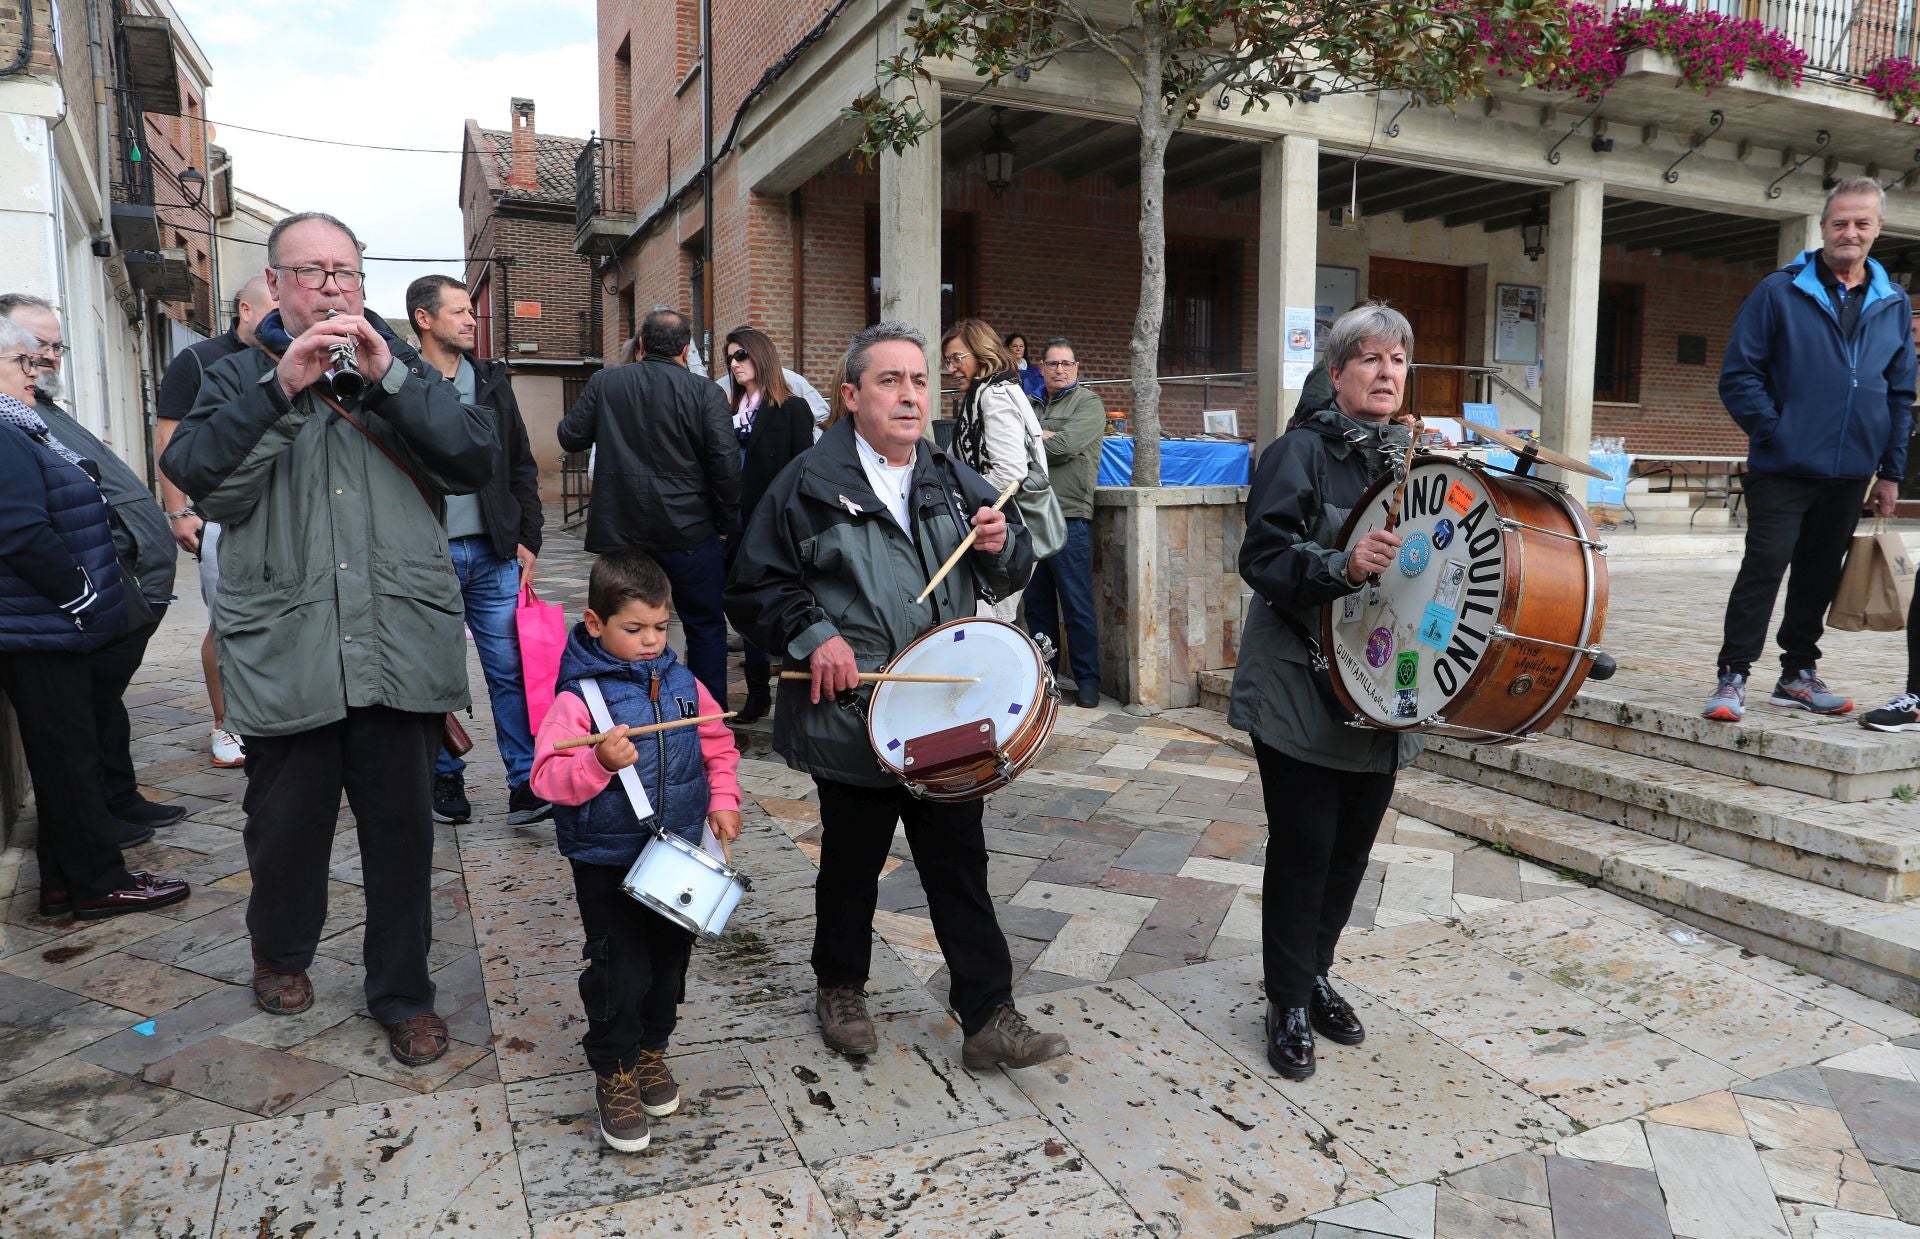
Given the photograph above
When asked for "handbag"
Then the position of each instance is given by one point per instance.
(542, 629)
(1876, 585)
(1039, 506)
(453, 737)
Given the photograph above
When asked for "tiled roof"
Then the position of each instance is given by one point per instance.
(552, 158)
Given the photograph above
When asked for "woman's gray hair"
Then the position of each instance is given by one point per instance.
(16, 339)
(1375, 320)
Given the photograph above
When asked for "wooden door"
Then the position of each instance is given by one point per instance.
(1434, 299)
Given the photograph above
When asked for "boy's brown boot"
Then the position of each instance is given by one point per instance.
(1009, 1041)
(623, 1116)
(659, 1091)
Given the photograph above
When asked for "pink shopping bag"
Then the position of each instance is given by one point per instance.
(543, 638)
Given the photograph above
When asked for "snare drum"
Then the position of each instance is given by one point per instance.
(1488, 621)
(688, 885)
(953, 742)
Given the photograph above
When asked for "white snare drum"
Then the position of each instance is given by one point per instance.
(686, 884)
(1014, 698)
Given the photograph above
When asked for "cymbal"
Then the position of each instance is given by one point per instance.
(1523, 448)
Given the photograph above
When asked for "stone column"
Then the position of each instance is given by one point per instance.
(1289, 245)
(910, 234)
(1289, 223)
(1797, 235)
(1572, 298)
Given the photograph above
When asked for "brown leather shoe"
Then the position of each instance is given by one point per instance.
(145, 893)
(280, 993)
(418, 1039)
(1009, 1041)
(659, 1091)
(623, 1116)
(844, 1023)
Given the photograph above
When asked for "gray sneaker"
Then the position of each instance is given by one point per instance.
(1807, 691)
(1729, 700)
(844, 1023)
(1009, 1041)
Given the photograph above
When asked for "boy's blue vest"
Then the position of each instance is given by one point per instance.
(29, 621)
(603, 830)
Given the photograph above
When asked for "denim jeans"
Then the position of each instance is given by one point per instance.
(1062, 589)
(491, 587)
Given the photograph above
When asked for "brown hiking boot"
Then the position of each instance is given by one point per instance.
(844, 1023)
(623, 1116)
(659, 1091)
(1009, 1041)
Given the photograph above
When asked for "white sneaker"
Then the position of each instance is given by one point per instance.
(228, 751)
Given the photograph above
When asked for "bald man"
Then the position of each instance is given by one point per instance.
(178, 390)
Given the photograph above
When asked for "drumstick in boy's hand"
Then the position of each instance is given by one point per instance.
(580, 742)
(966, 543)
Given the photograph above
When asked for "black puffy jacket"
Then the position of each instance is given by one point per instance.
(59, 576)
(666, 474)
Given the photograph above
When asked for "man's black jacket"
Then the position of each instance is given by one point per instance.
(510, 501)
(666, 475)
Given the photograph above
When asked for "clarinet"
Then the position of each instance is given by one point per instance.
(344, 380)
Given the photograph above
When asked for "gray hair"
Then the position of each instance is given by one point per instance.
(1855, 187)
(1059, 342)
(9, 302)
(16, 339)
(1376, 320)
(305, 217)
(885, 332)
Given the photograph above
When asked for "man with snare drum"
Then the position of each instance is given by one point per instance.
(827, 573)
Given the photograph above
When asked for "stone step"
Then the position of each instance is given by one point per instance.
(1648, 501)
(1215, 689)
(1685, 517)
(1862, 943)
(1831, 757)
(1870, 849)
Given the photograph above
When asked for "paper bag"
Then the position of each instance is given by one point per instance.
(1876, 586)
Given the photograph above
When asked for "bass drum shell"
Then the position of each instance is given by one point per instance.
(1015, 690)
(1418, 651)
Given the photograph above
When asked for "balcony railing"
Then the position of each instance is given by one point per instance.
(1843, 39)
(602, 180)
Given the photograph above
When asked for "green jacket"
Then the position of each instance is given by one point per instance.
(1078, 421)
(821, 557)
(336, 590)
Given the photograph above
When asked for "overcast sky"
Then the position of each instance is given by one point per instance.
(392, 73)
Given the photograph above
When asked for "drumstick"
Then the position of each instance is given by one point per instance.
(1400, 488)
(892, 677)
(966, 543)
(580, 742)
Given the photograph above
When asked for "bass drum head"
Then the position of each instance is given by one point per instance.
(1008, 690)
(1404, 648)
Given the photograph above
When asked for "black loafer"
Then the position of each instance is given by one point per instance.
(1333, 1018)
(147, 813)
(1086, 698)
(1290, 1042)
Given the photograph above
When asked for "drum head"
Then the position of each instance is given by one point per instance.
(1404, 648)
(1008, 690)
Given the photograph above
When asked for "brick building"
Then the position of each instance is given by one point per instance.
(537, 302)
(1654, 216)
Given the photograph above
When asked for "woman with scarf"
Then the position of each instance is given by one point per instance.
(60, 599)
(996, 418)
(1326, 784)
(773, 426)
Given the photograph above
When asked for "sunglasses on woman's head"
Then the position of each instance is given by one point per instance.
(739, 354)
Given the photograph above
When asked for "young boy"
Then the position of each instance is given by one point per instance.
(636, 959)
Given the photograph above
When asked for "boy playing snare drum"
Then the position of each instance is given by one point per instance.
(636, 959)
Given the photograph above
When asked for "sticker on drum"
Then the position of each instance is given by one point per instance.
(1439, 608)
(1350, 607)
(1415, 554)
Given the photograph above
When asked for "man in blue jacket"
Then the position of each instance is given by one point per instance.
(1820, 374)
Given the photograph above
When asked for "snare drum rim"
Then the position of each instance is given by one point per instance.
(1020, 729)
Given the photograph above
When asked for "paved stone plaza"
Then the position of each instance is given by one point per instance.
(1544, 1059)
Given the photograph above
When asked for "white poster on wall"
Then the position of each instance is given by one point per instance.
(1516, 316)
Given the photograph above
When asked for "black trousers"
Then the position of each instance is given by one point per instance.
(58, 734)
(636, 975)
(113, 669)
(1913, 644)
(1798, 524)
(699, 577)
(383, 760)
(1321, 825)
(950, 851)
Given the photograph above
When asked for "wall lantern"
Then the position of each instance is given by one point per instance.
(997, 151)
(193, 184)
(1533, 233)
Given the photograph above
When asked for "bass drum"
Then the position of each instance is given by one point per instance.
(1488, 622)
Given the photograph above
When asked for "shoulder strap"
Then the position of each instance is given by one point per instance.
(372, 438)
(603, 721)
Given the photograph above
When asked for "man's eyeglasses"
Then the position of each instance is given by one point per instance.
(1059, 365)
(739, 354)
(56, 348)
(954, 359)
(346, 279)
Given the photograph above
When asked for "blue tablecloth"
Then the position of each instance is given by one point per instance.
(1619, 465)
(1183, 462)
